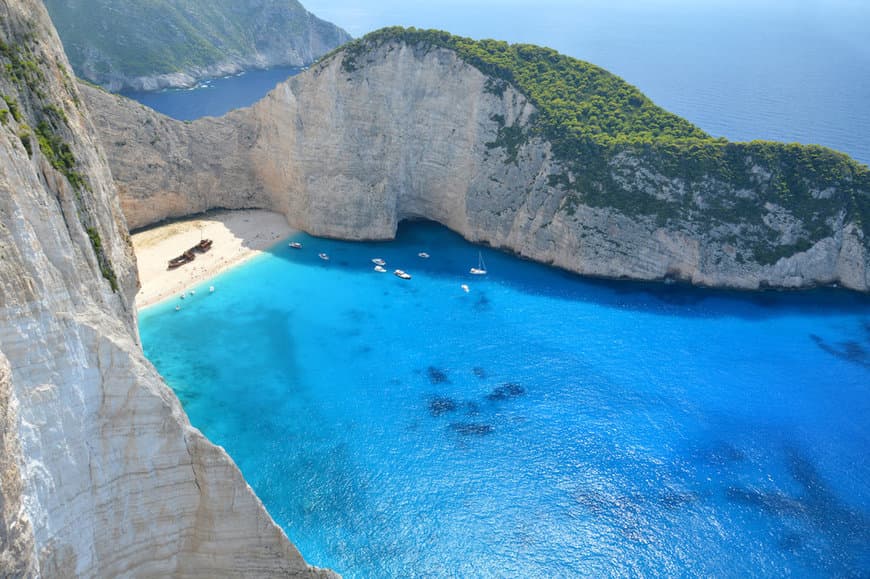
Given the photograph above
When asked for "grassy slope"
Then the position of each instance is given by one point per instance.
(590, 116)
(147, 37)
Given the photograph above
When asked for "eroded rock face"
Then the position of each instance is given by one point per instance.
(414, 132)
(101, 474)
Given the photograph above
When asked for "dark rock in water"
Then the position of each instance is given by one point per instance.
(482, 303)
(437, 376)
(472, 428)
(505, 391)
(441, 405)
(479, 372)
(850, 350)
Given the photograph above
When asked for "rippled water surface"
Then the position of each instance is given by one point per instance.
(214, 97)
(538, 425)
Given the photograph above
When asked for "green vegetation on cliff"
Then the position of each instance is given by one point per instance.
(596, 122)
(107, 40)
(21, 74)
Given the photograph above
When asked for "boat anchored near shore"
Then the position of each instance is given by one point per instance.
(481, 266)
(402, 274)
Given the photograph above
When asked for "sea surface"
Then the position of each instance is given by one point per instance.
(214, 97)
(785, 70)
(537, 425)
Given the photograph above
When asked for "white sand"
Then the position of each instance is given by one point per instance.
(237, 235)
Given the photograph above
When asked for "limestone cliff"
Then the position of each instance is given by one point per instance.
(392, 129)
(152, 45)
(101, 474)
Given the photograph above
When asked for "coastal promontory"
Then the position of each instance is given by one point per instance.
(514, 146)
(130, 44)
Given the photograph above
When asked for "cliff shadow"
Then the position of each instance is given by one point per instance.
(451, 257)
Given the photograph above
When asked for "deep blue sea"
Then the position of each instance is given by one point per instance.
(539, 425)
(214, 97)
(786, 70)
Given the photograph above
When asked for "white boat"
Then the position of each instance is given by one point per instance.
(323, 256)
(380, 269)
(481, 266)
(379, 261)
(401, 274)
(423, 254)
(464, 288)
(295, 245)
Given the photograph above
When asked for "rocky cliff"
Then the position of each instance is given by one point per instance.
(152, 45)
(101, 474)
(407, 125)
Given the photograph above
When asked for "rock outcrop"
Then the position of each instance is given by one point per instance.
(101, 474)
(129, 44)
(399, 130)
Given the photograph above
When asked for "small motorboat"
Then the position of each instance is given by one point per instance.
(323, 256)
(379, 261)
(464, 288)
(177, 308)
(401, 274)
(295, 245)
(380, 269)
(211, 289)
(423, 254)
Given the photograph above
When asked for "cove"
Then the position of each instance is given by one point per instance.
(538, 425)
(214, 97)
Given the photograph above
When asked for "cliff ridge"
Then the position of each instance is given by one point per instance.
(129, 44)
(514, 146)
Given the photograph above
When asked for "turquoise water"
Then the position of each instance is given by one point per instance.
(540, 425)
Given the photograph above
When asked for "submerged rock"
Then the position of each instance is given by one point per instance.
(505, 391)
(472, 428)
(440, 405)
(437, 376)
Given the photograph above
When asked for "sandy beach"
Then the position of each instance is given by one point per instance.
(237, 235)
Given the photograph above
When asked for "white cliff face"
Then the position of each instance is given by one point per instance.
(411, 132)
(101, 474)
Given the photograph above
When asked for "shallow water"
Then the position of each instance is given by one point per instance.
(539, 425)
